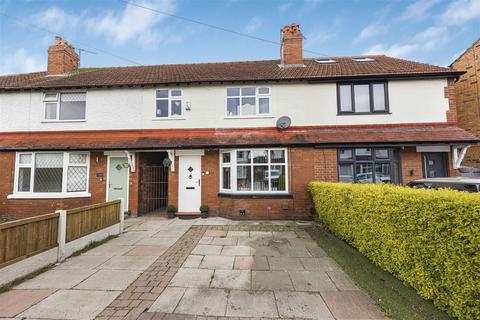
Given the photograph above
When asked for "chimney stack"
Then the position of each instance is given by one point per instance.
(291, 53)
(62, 58)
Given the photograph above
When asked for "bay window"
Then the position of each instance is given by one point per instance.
(254, 171)
(51, 174)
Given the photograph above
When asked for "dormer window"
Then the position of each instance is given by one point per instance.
(68, 106)
(362, 98)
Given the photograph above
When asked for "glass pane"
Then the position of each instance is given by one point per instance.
(260, 178)
(162, 94)
(345, 154)
(226, 157)
(162, 108)
(233, 92)
(24, 175)
(363, 154)
(233, 106)
(263, 90)
(264, 105)
(243, 157)
(244, 178)
(277, 156)
(248, 107)
(48, 172)
(176, 93)
(76, 179)
(345, 172)
(50, 111)
(77, 158)
(381, 154)
(73, 97)
(345, 98)
(364, 172)
(226, 178)
(383, 172)
(379, 97)
(25, 158)
(278, 178)
(50, 97)
(260, 156)
(49, 160)
(248, 91)
(362, 98)
(176, 107)
(74, 110)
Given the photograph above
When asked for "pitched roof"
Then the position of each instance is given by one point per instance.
(343, 67)
(407, 134)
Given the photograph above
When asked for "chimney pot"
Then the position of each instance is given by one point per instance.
(62, 58)
(291, 51)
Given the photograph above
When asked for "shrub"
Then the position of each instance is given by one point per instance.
(171, 211)
(429, 239)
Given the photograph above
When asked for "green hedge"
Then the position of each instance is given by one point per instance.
(429, 239)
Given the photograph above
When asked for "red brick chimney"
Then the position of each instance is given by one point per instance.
(291, 53)
(62, 58)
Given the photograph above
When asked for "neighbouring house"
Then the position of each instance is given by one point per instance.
(468, 97)
(244, 138)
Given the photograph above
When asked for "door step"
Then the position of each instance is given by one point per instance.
(188, 214)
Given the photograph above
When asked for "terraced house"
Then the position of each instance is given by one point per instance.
(244, 138)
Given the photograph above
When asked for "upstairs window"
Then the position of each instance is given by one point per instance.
(248, 101)
(362, 98)
(168, 103)
(69, 106)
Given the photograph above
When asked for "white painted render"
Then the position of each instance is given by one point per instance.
(411, 101)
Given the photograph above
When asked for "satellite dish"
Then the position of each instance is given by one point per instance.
(284, 122)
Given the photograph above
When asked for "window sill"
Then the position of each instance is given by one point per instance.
(169, 118)
(48, 196)
(250, 117)
(255, 195)
(62, 121)
(361, 113)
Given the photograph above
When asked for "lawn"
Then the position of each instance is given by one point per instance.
(396, 299)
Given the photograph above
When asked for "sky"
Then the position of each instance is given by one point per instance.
(117, 33)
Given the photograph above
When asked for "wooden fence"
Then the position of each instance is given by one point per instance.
(86, 220)
(23, 238)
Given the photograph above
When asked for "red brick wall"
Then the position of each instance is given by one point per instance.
(62, 58)
(291, 50)
(33, 207)
(134, 187)
(173, 185)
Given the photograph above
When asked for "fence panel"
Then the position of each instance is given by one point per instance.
(86, 220)
(24, 238)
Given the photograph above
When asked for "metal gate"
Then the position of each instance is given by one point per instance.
(153, 188)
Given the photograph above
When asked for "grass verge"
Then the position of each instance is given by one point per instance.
(397, 300)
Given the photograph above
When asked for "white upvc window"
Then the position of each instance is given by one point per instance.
(248, 101)
(51, 174)
(254, 171)
(67, 106)
(168, 103)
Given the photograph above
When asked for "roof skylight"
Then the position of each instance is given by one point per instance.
(363, 59)
(326, 60)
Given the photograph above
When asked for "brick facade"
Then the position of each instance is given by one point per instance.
(291, 52)
(468, 98)
(62, 58)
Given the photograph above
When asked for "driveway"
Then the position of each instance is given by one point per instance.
(191, 269)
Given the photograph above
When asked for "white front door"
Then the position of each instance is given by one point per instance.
(189, 183)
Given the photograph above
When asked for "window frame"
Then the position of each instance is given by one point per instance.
(391, 160)
(257, 104)
(16, 194)
(233, 165)
(371, 99)
(57, 101)
(169, 99)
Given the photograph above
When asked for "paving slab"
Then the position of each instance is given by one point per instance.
(15, 301)
(109, 250)
(83, 262)
(295, 252)
(301, 305)
(192, 278)
(312, 281)
(203, 301)
(352, 305)
(215, 233)
(71, 304)
(236, 251)
(261, 234)
(192, 261)
(251, 304)
(271, 280)
(320, 264)
(57, 279)
(285, 263)
(141, 250)
(206, 240)
(217, 262)
(172, 233)
(219, 241)
(128, 263)
(251, 263)
(159, 241)
(109, 280)
(231, 279)
(168, 300)
(238, 234)
(342, 280)
(206, 249)
(284, 234)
